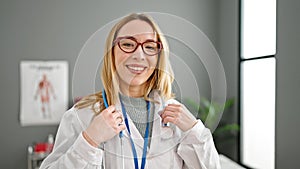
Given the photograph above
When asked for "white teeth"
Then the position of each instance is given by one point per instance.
(136, 68)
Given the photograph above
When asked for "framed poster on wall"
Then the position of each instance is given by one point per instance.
(44, 92)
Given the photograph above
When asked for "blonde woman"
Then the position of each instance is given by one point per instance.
(134, 122)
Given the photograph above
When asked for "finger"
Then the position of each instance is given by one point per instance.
(119, 120)
(108, 112)
(110, 109)
(173, 107)
(116, 114)
(169, 113)
(116, 117)
(119, 128)
(122, 127)
(170, 119)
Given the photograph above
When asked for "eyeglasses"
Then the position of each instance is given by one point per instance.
(129, 44)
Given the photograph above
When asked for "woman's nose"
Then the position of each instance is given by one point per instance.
(139, 53)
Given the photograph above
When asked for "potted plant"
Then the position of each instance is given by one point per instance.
(210, 113)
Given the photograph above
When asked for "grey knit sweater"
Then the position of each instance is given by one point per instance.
(136, 109)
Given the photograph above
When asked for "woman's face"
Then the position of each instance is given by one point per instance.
(133, 69)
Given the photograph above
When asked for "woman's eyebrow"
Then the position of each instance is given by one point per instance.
(132, 37)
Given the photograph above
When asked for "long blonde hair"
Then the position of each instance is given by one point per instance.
(161, 79)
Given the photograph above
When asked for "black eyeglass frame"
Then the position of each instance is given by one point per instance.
(118, 39)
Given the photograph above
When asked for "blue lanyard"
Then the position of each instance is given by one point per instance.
(146, 137)
(106, 106)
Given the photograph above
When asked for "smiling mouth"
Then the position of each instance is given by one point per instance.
(136, 69)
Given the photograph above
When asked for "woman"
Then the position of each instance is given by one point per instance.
(134, 122)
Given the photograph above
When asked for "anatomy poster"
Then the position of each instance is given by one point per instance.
(44, 92)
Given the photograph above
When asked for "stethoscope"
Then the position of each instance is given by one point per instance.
(121, 135)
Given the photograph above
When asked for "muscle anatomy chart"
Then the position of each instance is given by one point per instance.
(44, 92)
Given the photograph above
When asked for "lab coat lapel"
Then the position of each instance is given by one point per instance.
(162, 136)
(156, 130)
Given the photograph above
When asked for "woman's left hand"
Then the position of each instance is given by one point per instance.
(178, 115)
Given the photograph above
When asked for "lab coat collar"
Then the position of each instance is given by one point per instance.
(162, 136)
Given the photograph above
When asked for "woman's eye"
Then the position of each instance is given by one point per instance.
(127, 45)
(150, 47)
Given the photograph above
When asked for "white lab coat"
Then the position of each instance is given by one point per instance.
(170, 147)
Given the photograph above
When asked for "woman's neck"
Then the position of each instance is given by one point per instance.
(132, 91)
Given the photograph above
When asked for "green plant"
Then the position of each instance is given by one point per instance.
(210, 114)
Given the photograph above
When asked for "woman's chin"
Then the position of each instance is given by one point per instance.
(136, 84)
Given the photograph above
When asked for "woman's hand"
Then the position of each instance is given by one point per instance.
(178, 115)
(104, 126)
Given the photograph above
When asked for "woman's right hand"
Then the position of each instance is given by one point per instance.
(104, 126)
